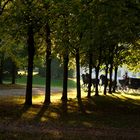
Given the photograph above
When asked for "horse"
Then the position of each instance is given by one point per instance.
(106, 80)
(86, 78)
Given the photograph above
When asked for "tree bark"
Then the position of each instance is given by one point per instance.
(78, 74)
(90, 75)
(106, 81)
(1, 68)
(97, 71)
(97, 74)
(65, 75)
(31, 52)
(110, 75)
(115, 79)
(48, 66)
(13, 73)
(65, 58)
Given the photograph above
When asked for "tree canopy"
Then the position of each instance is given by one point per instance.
(106, 30)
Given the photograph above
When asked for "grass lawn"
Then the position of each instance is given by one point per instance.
(114, 117)
(40, 81)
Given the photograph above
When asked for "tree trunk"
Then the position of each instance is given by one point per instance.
(78, 74)
(115, 79)
(106, 81)
(48, 66)
(97, 71)
(90, 75)
(110, 76)
(13, 73)
(97, 74)
(1, 68)
(31, 51)
(65, 76)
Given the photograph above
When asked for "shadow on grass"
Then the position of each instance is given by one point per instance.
(23, 110)
(41, 112)
(81, 106)
(110, 110)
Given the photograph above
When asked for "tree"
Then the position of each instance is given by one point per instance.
(62, 38)
(3, 4)
(48, 64)
(27, 21)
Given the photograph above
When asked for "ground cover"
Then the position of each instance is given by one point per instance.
(114, 116)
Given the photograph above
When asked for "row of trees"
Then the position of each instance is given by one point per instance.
(99, 34)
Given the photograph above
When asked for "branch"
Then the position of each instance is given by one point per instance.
(2, 8)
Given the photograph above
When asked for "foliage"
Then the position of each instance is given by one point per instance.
(56, 70)
(104, 29)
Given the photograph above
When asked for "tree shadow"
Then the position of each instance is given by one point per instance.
(41, 113)
(21, 111)
(81, 106)
(64, 107)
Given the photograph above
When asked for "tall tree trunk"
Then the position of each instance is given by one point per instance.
(97, 71)
(65, 58)
(110, 75)
(115, 79)
(65, 76)
(1, 68)
(90, 76)
(97, 74)
(13, 73)
(106, 81)
(78, 74)
(48, 66)
(116, 69)
(31, 52)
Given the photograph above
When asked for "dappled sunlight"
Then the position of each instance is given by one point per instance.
(87, 124)
(53, 115)
(30, 113)
(85, 112)
(24, 72)
(38, 99)
(43, 119)
(124, 96)
(55, 96)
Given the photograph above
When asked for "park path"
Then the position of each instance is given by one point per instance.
(21, 92)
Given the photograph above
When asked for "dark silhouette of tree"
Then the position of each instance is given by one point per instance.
(48, 65)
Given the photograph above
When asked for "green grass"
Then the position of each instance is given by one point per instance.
(114, 115)
(40, 81)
